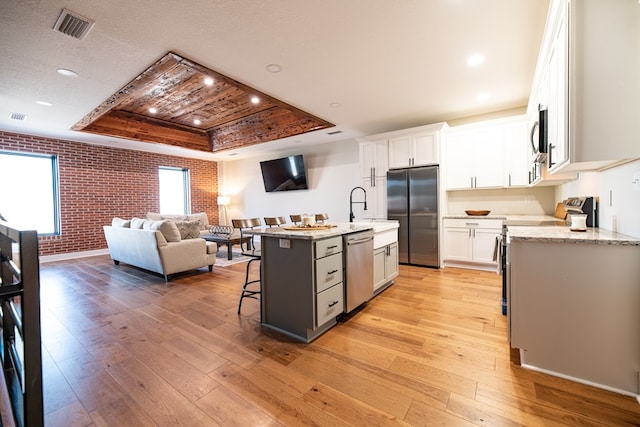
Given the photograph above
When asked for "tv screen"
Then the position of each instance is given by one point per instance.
(284, 174)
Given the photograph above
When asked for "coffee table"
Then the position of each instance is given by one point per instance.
(229, 240)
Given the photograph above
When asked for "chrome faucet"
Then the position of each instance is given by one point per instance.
(351, 202)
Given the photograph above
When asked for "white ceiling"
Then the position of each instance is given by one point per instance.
(390, 64)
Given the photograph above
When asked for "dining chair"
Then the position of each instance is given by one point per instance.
(296, 219)
(274, 221)
(249, 287)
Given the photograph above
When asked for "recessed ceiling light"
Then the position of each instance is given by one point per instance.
(153, 110)
(475, 59)
(196, 122)
(44, 103)
(255, 100)
(335, 105)
(67, 73)
(274, 68)
(483, 97)
(208, 81)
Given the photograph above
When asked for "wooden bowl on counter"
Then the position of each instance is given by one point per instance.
(477, 213)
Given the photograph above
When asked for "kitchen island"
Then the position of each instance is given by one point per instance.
(304, 275)
(574, 304)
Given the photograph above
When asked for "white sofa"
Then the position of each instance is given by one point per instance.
(157, 247)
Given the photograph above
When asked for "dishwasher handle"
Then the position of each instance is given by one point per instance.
(359, 241)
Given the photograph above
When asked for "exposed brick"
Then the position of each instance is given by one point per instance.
(98, 183)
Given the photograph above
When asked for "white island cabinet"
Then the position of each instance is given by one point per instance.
(574, 304)
(385, 255)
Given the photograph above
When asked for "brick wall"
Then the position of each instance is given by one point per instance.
(98, 183)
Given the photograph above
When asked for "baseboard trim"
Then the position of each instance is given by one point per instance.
(73, 255)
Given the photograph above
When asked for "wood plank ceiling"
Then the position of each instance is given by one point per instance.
(161, 106)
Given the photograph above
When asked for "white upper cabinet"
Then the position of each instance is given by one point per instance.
(416, 146)
(516, 153)
(488, 154)
(373, 174)
(414, 150)
(591, 59)
(373, 159)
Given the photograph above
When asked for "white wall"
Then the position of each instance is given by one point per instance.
(332, 171)
(619, 198)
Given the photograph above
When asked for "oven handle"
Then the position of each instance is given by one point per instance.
(497, 253)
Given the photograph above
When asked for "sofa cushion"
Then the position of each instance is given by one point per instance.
(137, 223)
(188, 229)
(168, 229)
(119, 222)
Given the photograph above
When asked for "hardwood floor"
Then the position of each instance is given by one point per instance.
(121, 348)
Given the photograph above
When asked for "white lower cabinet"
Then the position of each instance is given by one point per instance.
(385, 266)
(470, 243)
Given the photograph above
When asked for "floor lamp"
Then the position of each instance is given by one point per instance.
(224, 201)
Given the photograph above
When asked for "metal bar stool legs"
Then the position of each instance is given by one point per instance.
(251, 293)
(249, 287)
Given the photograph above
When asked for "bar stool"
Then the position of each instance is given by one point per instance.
(274, 221)
(251, 251)
(296, 219)
(321, 218)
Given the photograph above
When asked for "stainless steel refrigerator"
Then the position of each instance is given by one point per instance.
(412, 198)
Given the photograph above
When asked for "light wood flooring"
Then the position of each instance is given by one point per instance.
(122, 348)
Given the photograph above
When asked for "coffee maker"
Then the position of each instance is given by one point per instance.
(582, 206)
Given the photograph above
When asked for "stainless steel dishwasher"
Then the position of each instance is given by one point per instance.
(358, 268)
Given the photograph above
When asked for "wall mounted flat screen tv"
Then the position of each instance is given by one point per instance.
(284, 174)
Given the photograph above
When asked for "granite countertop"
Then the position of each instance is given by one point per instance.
(563, 234)
(311, 234)
(474, 217)
(505, 217)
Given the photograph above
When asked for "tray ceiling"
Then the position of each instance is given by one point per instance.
(179, 102)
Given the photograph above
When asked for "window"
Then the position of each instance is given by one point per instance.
(29, 194)
(174, 191)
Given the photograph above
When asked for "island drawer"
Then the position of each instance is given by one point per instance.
(329, 304)
(328, 271)
(329, 246)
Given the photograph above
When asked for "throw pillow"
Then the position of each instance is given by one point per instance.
(153, 216)
(201, 217)
(168, 229)
(188, 229)
(119, 222)
(137, 223)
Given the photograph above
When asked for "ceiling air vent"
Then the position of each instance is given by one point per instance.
(18, 116)
(72, 24)
(335, 132)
